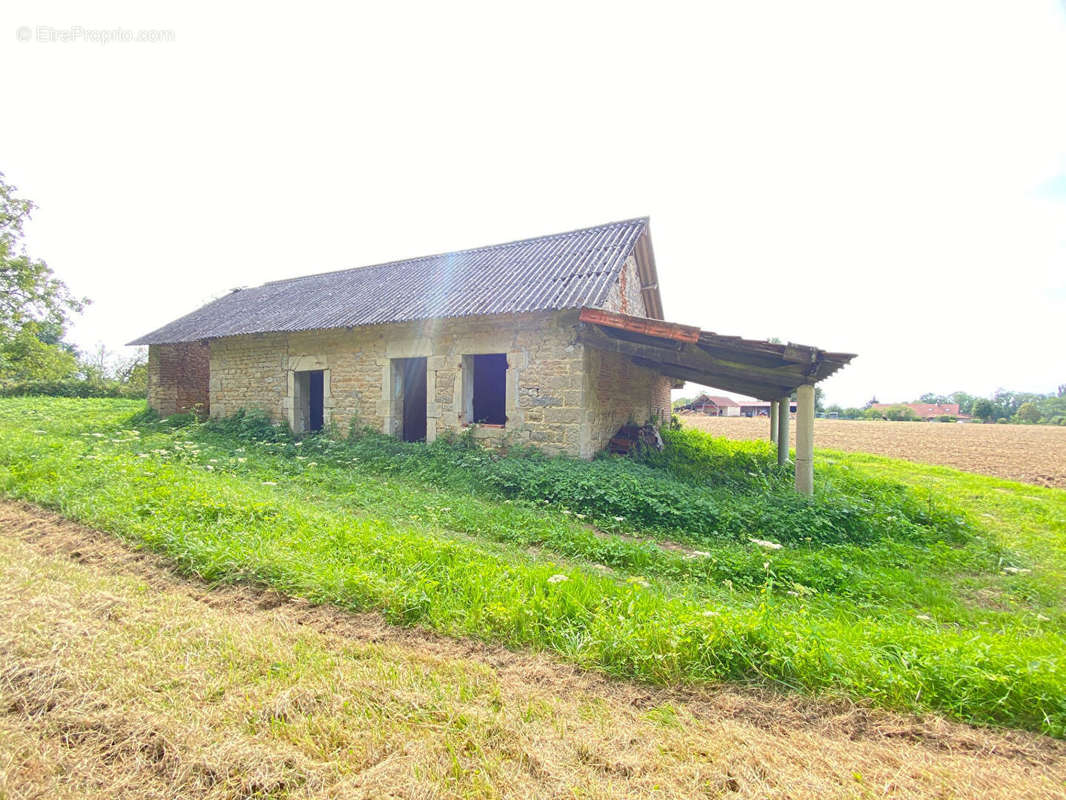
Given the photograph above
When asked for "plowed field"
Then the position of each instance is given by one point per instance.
(1028, 453)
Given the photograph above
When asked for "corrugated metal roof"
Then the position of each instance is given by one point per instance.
(549, 273)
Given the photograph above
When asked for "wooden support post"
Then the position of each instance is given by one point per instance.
(773, 421)
(782, 431)
(805, 439)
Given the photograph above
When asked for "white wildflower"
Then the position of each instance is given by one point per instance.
(765, 544)
(241, 460)
(580, 516)
(710, 613)
(619, 519)
(924, 618)
(557, 578)
(791, 593)
(566, 511)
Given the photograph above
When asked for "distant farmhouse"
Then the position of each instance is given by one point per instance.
(713, 406)
(721, 406)
(557, 341)
(927, 411)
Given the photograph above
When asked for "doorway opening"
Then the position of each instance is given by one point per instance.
(409, 377)
(308, 401)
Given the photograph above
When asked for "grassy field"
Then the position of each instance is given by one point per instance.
(1030, 453)
(698, 568)
(119, 679)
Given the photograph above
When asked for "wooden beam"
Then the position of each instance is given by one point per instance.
(671, 351)
(649, 327)
(760, 391)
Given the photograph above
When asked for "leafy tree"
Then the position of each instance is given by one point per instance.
(964, 400)
(900, 413)
(29, 291)
(1028, 412)
(35, 306)
(983, 408)
(938, 399)
(26, 357)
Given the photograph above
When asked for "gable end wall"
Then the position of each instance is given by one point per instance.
(178, 378)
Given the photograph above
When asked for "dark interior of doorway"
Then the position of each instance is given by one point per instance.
(489, 403)
(315, 396)
(414, 399)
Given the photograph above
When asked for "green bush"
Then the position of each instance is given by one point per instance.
(69, 388)
(900, 413)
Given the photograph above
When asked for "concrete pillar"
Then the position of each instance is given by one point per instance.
(773, 421)
(805, 439)
(782, 431)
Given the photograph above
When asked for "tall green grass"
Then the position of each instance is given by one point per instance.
(866, 596)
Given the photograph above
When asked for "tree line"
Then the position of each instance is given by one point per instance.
(35, 312)
(1005, 405)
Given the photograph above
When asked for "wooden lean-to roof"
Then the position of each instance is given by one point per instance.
(746, 366)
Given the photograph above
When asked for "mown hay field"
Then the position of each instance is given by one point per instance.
(119, 678)
(1028, 453)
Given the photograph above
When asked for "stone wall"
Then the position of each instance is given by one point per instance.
(543, 390)
(559, 395)
(178, 378)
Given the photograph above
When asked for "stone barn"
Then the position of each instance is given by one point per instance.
(556, 341)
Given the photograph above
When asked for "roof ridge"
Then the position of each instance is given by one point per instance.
(514, 243)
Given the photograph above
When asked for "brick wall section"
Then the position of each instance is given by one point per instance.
(550, 379)
(178, 378)
(619, 392)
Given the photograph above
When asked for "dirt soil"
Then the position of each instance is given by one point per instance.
(1027, 453)
(120, 678)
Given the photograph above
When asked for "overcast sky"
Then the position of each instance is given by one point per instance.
(882, 178)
